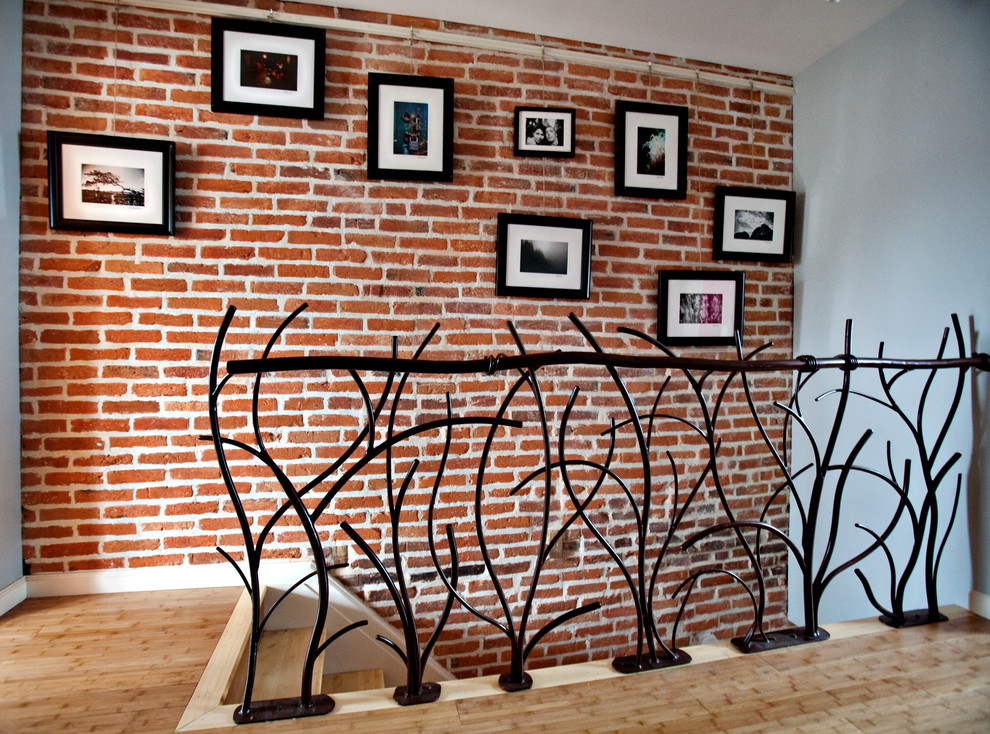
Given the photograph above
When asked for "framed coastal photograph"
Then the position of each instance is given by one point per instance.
(753, 224)
(544, 131)
(650, 150)
(107, 183)
(699, 307)
(271, 69)
(410, 128)
(543, 257)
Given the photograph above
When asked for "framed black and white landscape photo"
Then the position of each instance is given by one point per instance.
(107, 183)
(544, 131)
(699, 307)
(410, 128)
(262, 68)
(543, 257)
(753, 224)
(651, 150)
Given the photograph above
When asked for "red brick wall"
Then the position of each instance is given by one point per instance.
(116, 330)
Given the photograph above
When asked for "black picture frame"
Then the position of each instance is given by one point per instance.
(269, 69)
(109, 183)
(402, 146)
(651, 143)
(753, 224)
(700, 307)
(543, 256)
(547, 132)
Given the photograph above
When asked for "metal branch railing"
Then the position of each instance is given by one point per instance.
(591, 483)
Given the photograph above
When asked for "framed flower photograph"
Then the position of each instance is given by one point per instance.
(106, 183)
(650, 150)
(271, 69)
(543, 257)
(544, 131)
(410, 128)
(753, 224)
(699, 307)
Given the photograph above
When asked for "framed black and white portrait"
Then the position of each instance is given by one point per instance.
(753, 224)
(544, 131)
(543, 257)
(108, 183)
(273, 69)
(410, 128)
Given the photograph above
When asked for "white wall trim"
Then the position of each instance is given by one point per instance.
(12, 595)
(200, 7)
(116, 580)
(979, 603)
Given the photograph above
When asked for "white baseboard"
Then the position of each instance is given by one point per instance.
(979, 603)
(12, 595)
(117, 580)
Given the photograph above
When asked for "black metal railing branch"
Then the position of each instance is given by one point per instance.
(629, 468)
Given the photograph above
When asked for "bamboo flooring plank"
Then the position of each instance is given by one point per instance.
(131, 662)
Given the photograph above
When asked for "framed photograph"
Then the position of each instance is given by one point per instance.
(410, 128)
(753, 224)
(650, 150)
(544, 131)
(699, 307)
(106, 183)
(543, 257)
(272, 69)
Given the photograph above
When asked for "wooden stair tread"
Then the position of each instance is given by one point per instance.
(280, 656)
(354, 680)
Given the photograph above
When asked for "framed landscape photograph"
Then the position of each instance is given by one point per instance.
(543, 257)
(753, 224)
(650, 150)
(263, 68)
(699, 307)
(410, 128)
(106, 183)
(544, 131)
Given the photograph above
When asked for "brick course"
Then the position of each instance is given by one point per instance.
(116, 330)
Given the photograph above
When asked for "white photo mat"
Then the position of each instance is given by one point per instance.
(776, 207)
(74, 157)
(388, 96)
(517, 278)
(566, 134)
(671, 125)
(677, 288)
(233, 91)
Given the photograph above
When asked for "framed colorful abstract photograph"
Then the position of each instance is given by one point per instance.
(699, 307)
(410, 128)
(650, 150)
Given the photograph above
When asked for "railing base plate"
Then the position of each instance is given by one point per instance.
(913, 618)
(284, 708)
(781, 638)
(630, 663)
(428, 693)
(508, 685)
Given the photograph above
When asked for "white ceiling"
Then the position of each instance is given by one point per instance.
(779, 36)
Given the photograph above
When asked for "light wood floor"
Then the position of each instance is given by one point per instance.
(130, 663)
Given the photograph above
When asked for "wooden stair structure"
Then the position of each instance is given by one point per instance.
(221, 687)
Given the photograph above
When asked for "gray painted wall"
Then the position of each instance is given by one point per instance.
(10, 441)
(892, 155)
